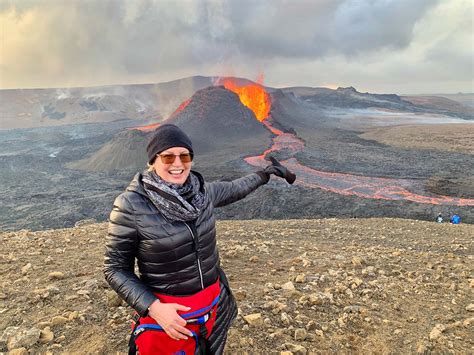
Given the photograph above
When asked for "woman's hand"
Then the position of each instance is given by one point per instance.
(279, 170)
(166, 315)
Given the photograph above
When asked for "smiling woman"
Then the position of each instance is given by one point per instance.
(165, 220)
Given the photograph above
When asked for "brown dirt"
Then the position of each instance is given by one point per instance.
(361, 286)
(447, 137)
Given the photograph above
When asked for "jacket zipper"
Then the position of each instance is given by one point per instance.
(197, 255)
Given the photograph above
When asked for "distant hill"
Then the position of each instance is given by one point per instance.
(448, 104)
(152, 103)
(26, 108)
(127, 150)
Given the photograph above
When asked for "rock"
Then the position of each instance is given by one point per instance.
(26, 268)
(240, 295)
(56, 275)
(369, 271)
(243, 341)
(356, 282)
(356, 261)
(437, 331)
(278, 334)
(470, 307)
(315, 299)
(300, 334)
(311, 325)
(53, 290)
(254, 319)
(353, 308)
(303, 300)
(301, 318)
(42, 325)
(113, 299)
(278, 307)
(422, 348)
(467, 322)
(23, 338)
(73, 315)
(7, 334)
(18, 351)
(253, 259)
(288, 286)
(91, 285)
(58, 320)
(295, 349)
(301, 278)
(46, 335)
(285, 318)
(319, 333)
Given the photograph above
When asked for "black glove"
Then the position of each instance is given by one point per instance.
(279, 170)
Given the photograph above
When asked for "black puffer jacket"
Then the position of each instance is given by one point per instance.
(173, 258)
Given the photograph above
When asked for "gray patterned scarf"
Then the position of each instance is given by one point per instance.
(175, 202)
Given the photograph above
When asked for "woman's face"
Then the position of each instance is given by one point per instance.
(176, 172)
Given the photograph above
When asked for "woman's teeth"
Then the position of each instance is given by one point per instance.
(176, 172)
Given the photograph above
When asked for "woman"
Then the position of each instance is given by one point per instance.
(165, 220)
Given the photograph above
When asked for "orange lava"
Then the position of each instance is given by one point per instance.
(146, 128)
(182, 106)
(252, 96)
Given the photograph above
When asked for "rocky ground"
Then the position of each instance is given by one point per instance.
(303, 286)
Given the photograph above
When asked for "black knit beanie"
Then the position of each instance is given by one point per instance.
(167, 136)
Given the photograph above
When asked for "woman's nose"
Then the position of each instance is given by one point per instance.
(177, 161)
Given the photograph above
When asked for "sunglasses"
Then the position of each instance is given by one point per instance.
(170, 158)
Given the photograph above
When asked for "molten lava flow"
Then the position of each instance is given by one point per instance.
(252, 96)
(182, 106)
(146, 128)
(347, 184)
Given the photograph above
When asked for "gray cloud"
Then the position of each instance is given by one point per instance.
(314, 29)
(67, 43)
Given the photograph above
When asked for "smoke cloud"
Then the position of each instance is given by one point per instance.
(385, 45)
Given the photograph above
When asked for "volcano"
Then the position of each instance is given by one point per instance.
(127, 150)
(214, 117)
(215, 120)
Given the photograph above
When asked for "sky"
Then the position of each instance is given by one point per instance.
(382, 46)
